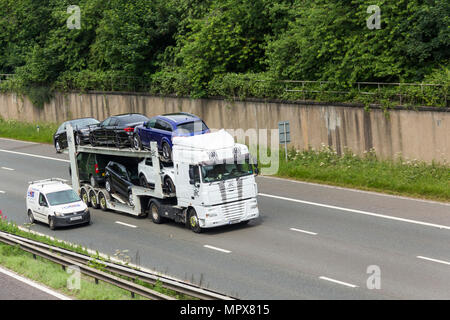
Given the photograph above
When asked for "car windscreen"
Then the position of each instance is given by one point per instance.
(62, 197)
(191, 127)
(123, 121)
(80, 123)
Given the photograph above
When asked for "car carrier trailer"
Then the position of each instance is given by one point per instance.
(201, 200)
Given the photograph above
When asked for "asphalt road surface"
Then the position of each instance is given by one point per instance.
(310, 242)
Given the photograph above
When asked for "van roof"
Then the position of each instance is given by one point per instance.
(48, 186)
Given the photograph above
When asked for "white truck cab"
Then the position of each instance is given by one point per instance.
(55, 203)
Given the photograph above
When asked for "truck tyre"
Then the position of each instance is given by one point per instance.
(93, 198)
(154, 213)
(194, 223)
(51, 223)
(84, 196)
(102, 201)
(30, 216)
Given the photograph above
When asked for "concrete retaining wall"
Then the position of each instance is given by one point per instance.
(420, 135)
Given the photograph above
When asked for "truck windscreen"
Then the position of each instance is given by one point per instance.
(224, 171)
(62, 197)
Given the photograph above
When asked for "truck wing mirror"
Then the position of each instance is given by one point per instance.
(191, 181)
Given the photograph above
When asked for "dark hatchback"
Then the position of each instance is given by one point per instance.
(116, 130)
(119, 179)
(80, 130)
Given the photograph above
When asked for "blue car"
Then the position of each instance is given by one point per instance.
(162, 128)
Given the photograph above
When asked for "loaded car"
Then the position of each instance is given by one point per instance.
(116, 130)
(163, 128)
(81, 132)
(55, 203)
(147, 177)
(91, 168)
(119, 179)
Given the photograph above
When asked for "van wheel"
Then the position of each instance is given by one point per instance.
(194, 223)
(154, 213)
(84, 197)
(93, 198)
(51, 223)
(30, 216)
(102, 201)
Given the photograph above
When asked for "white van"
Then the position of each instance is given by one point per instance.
(54, 202)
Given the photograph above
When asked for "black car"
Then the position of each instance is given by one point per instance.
(119, 179)
(80, 130)
(91, 167)
(116, 130)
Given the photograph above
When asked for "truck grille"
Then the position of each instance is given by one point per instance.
(233, 211)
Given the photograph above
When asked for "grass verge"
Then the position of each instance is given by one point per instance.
(27, 131)
(400, 176)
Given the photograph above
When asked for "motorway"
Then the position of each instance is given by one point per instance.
(310, 242)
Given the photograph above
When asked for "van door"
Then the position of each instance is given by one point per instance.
(42, 209)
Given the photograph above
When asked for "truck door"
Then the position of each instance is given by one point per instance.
(194, 183)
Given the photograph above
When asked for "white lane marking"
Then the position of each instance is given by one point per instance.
(217, 249)
(303, 231)
(2, 191)
(33, 155)
(356, 190)
(358, 211)
(9, 169)
(21, 141)
(34, 284)
(126, 224)
(434, 260)
(339, 282)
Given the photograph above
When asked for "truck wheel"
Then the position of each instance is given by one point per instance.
(30, 216)
(154, 212)
(93, 198)
(170, 186)
(51, 223)
(102, 201)
(84, 197)
(194, 223)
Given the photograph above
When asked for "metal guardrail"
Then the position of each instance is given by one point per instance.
(69, 258)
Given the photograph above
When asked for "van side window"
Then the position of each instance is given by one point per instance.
(42, 201)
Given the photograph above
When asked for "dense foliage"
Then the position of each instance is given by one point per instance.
(220, 47)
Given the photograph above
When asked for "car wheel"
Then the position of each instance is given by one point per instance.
(92, 141)
(117, 142)
(93, 198)
(166, 152)
(102, 201)
(108, 185)
(84, 196)
(169, 185)
(154, 213)
(130, 199)
(137, 143)
(93, 181)
(30, 216)
(51, 223)
(77, 140)
(194, 223)
(143, 181)
(58, 147)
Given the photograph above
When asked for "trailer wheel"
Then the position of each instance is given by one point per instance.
(93, 198)
(102, 201)
(84, 197)
(194, 223)
(154, 213)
